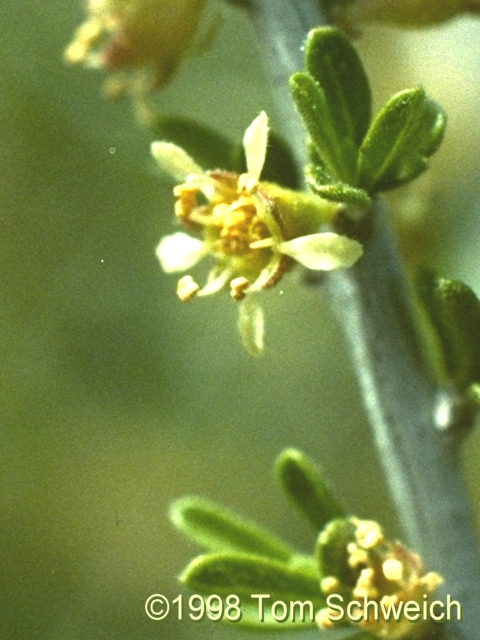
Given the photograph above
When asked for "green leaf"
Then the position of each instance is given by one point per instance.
(246, 575)
(334, 191)
(340, 192)
(337, 153)
(454, 312)
(331, 551)
(406, 132)
(219, 529)
(306, 488)
(334, 63)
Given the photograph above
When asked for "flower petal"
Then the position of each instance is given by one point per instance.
(179, 252)
(255, 145)
(174, 160)
(323, 251)
(250, 324)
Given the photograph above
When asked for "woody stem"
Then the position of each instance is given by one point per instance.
(421, 464)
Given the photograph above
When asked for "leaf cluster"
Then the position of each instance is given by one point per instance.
(242, 558)
(353, 156)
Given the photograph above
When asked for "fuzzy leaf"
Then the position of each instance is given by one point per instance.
(334, 191)
(306, 488)
(244, 575)
(334, 63)
(219, 529)
(406, 132)
(340, 192)
(336, 152)
(454, 312)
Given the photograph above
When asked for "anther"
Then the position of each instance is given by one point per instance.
(238, 288)
(187, 288)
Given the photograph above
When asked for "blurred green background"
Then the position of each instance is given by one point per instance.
(116, 398)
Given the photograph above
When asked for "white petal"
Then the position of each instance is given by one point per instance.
(174, 160)
(255, 145)
(179, 252)
(250, 324)
(323, 251)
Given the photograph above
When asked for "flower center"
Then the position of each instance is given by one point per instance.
(230, 220)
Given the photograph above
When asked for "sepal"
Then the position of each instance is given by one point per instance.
(332, 554)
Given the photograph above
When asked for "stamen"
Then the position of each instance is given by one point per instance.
(265, 243)
(247, 183)
(217, 279)
(368, 534)
(187, 288)
(238, 287)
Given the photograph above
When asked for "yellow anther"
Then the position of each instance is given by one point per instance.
(392, 570)
(238, 287)
(187, 288)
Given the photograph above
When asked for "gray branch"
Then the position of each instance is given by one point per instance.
(421, 462)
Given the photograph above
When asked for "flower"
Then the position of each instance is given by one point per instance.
(254, 230)
(365, 566)
(141, 41)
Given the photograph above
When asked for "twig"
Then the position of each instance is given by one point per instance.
(421, 463)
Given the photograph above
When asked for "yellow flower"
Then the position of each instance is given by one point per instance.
(141, 41)
(254, 230)
(375, 570)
